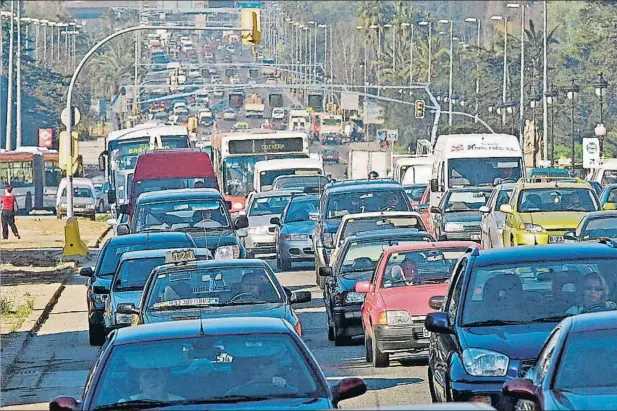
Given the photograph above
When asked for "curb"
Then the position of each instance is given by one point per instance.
(22, 341)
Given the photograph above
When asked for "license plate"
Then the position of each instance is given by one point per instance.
(426, 333)
(475, 237)
(178, 256)
(555, 239)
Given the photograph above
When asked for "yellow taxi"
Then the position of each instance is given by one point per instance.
(542, 209)
(240, 125)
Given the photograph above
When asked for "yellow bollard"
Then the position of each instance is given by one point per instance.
(72, 240)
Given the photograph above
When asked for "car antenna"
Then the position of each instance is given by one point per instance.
(201, 323)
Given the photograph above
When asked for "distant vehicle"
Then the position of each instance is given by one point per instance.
(458, 215)
(266, 171)
(278, 113)
(271, 80)
(84, 198)
(362, 162)
(230, 114)
(330, 156)
(493, 219)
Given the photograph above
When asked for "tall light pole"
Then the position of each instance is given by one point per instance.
(51, 25)
(545, 85)
(451, 67)
(44, 23)
(9, 98)
(37, 26)
(411, 45)
(314, 62)
(478, 45)
(18, 139)
(505, 62)
(430, 52)
(600, 131)
(521, 111)
(325, 51)
(378, 31)
(572, 94)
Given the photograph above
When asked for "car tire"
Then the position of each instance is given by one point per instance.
(368, 349)
(380, 359)
(431, 386)
(285, 265)
(96, 334)
(330, 328)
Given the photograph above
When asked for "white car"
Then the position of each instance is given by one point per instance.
(215, 79)
(278, 113)
(218, 93)
(234, 80)
(271, 80)
(229, 114)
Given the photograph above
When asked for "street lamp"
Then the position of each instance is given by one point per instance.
(600, 85)
(411, 46)
(534, 103)
(572, 94)
(551, 98)
(390, 26)
(451, 60)
(521, 125)
(478, 22)
(505, 60)
(430, 54)
(378, 28)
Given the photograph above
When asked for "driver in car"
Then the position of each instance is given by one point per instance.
(595, 296)
(392, 203)
(261, 371)
(153, 386)
(204, 218)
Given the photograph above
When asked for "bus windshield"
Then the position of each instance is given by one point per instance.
(124, 152)
(482, 171)
(17, 173)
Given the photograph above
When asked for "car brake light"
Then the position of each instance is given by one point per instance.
(298, 328)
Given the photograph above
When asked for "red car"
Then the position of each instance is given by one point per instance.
(399, 296)
(424, 209)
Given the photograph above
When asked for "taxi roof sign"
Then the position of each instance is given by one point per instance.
(180, 256)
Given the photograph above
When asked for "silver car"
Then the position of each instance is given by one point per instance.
(492, 222)
(260, 209)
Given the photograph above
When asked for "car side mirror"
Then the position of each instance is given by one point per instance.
(228, 204)
(241, 221)
(435, 210)
(570, 236)
(123, 229)
(438, 323)
(314, 216)
(520, 388)
(434, 185)
(363, 287)
(506, 208)
(128, 308)
(347, 388)
(86, 272)
(325, 271)
(300, 297)
(421, 208)
(436, 302)
(123, 209)
(484, 210)
(275, 221)
(63, 404)
(111, 196)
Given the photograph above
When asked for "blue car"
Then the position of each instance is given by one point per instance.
(500, 307)
(294, 230)
(99, 277)
(222, 363)
(351, 197)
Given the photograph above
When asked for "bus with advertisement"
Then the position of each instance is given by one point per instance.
(235, 155)
(35, 174)
(123, 146)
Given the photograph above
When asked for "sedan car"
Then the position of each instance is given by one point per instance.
(414, 192)
(593, 227)
(330, 156)
(354, 261)
(491, 225)
(398, 297)
(575, 369)
(497, 315)
(608, 198)
(458, 215)
(245, 363)
(99, 277)
(278, 113)
(260, 209)
(230, 114)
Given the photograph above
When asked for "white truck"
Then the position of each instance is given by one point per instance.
(254, 107)
(412, 169)
(299, 119)
(362, 162)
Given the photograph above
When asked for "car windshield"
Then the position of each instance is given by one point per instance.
(539, 290)
(357, 202)
(112, 253)
(465, 200)
(132, 274)
(420, 267)
(80, 192)
(267, 177)
(269, 205)
(361, 257)
(182, 215)
(603, 227)
(287, 182)
(161, 184)
(298, 211)
(482, 171)
(556, 199)
(356, 225)
(415, 192)
(588, 361)
(503, 198)
(214, 286)
(241, 366)
(611, 195)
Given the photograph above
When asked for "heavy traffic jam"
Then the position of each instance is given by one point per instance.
(498, 277)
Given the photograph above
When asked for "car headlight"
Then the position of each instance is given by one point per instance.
(485, 363)
(532, 228)
(237, 206)
(295, 237)
(354, 297)
(453, 227)
(227, 252)
(99, 298)
(123, 318)
(258, 230)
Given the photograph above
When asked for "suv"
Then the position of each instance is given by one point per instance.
(351, 197)
(541, 210)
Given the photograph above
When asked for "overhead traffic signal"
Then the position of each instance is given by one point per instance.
(419, 108)
(250, 24)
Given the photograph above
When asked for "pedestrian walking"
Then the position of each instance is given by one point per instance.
(9, 207)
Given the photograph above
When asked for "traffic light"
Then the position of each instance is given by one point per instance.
(250, 24)
(419, 108)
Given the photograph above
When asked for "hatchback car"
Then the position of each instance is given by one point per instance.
(458, 215)
(162, 365)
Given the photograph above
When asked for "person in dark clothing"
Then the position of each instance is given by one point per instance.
(9, 207)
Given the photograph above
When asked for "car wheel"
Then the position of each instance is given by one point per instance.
(330, 329)
(431, 385)
(321, 281)
(380, 359)
(368, 348)
(285, 265)
(96, 334)
(340, 341)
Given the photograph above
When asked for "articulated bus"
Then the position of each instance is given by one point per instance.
(123, 146)
(34, 174)
(235, 155)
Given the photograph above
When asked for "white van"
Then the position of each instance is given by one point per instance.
(413, 170)
(471, 160)
(266, 171)
(84, 198)
(606, 173)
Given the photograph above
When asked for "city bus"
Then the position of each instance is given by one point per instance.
(235, 155)
(123, 146)
(34, 174)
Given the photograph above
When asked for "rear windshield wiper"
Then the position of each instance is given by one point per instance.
(492, 322)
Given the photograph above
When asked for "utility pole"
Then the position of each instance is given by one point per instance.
(545, 86)
(9, 98)
(18, 141)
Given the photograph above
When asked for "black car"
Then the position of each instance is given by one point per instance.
(99, 277)
(351, 197)
(206, 289)
(594, 226)
(500, 307)
(458, 215)
(354, 261)
(219, 363)
(575, 369)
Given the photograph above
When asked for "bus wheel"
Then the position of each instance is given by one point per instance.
(28, 206)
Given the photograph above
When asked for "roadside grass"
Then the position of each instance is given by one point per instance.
(103, 217)
(13, 313)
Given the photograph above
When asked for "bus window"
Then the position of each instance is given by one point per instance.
(16, 173)
(53, 174)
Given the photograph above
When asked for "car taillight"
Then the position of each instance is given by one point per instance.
(298, 328)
